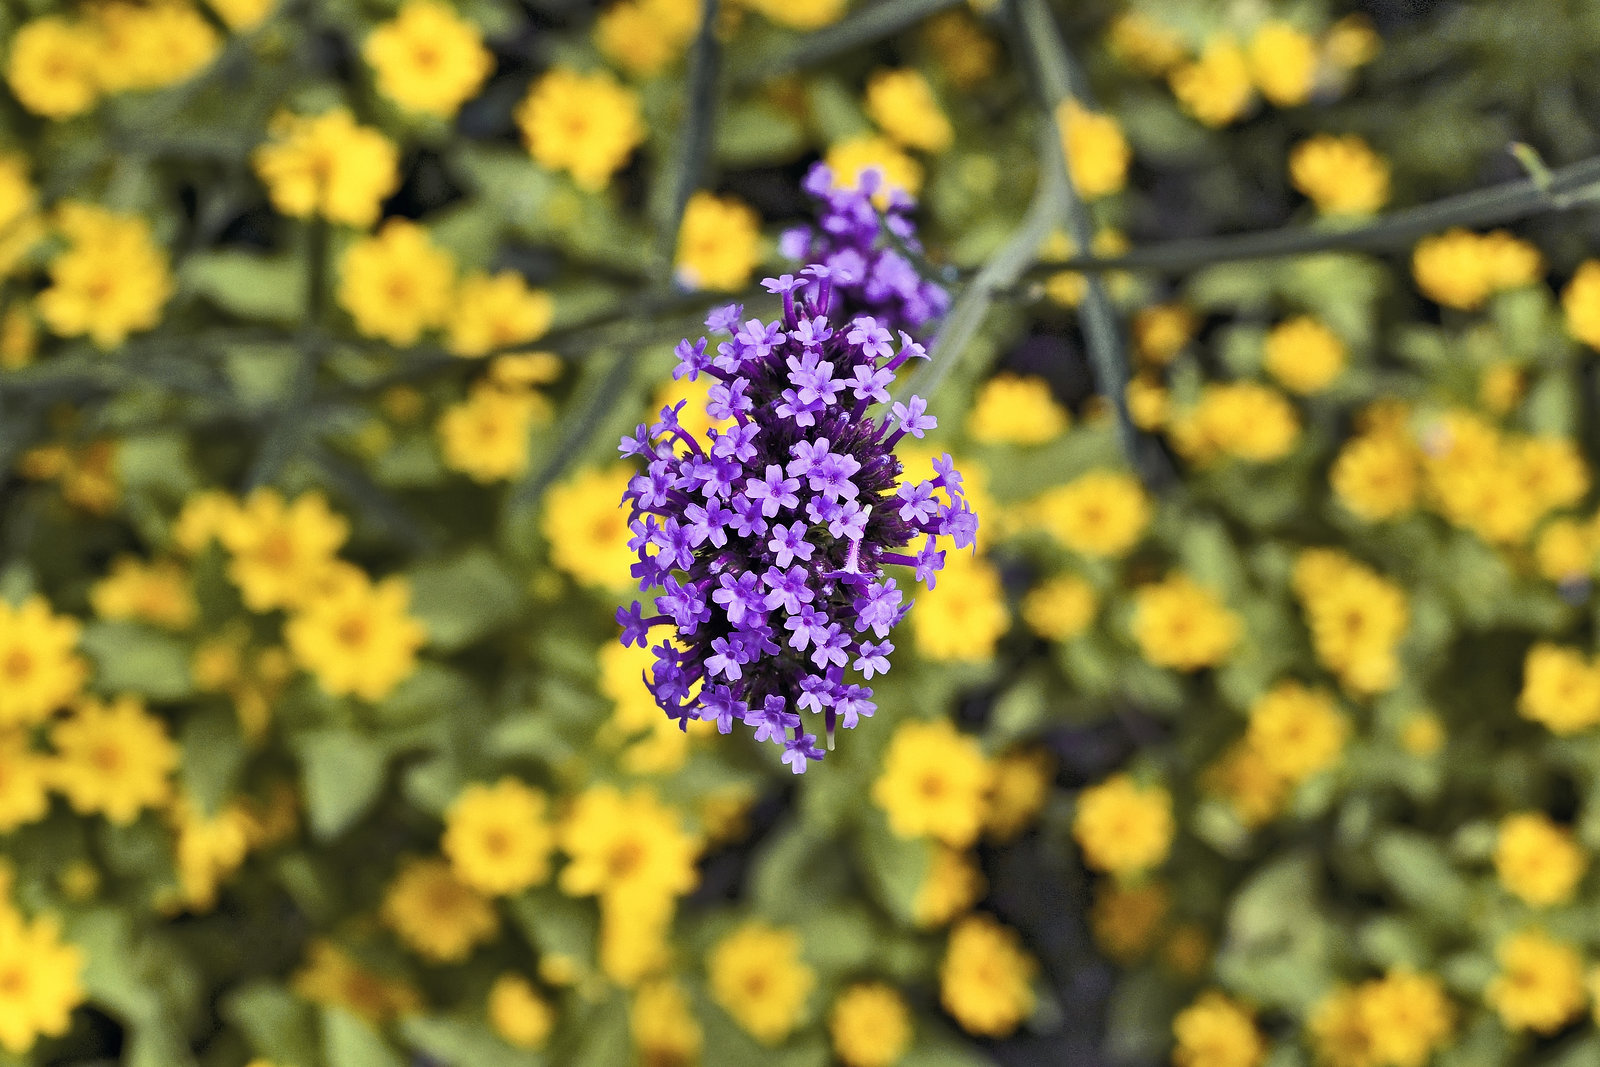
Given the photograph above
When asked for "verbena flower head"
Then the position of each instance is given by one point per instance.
(870, 275)
(769, 538)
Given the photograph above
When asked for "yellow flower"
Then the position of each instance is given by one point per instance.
(1241, 419)
(1407, 1016)
(1096, 152)
(1123, 827)
(1283, 63)
(1161, 330)
(1501, 387)
(965, 53)
(1216, 88)
(428, 59)
(849, 159)
(585, 124)
(1017, 410)
(151, 46)
(1352, 42)
(24, 780)
(111, 281)
(985, 978)
(1102, 514)
(40, 670)
(280, 552)
(933, 783)
(396, 284)
(800, 14)
(952, 884)
(210, 848)
(54, 67)
(357, 639)
(643, 36)
(1341, 175)
(963, 619)
(1297, 731)
(1182, 625)
(587, 527)
(1376, 476)
(1566, 550)
(634, 935)
(1022, 781)
(1537, 861)
(1125, 919)
(1247, 781)
(1215, 1031)
(19, 331)
(486, 436)
(1357, 619)
(1540, 985)
(156, 591)
(327, 165)
(1581, 303)
(870, 1026)
(1422, 734)
(625, 847)
(759, 976)
(1149, 403)
(1510, 261)
(902, 103)
(20, 228)
(1145, 44)
(493, 312)
(1303, 355)
(435, 914)
(114, 759)
(521, 1017)
(1060, 608)
(43, 980)
(1560, 688)
(331, 976)
(719, 243)
(242, 15)
(497, 837)
(663, 1025)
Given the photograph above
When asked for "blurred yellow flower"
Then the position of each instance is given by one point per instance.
(585, 124)
(1296, 730)
(280, 551)
(849, 159)
(521, 1017)
(1537, 861)
(626, 847)
(327, 165)
(1022, 780)
(53, 67)
(1560, 688)
(1581, 303)
(758, 974)
(113, 759)
(952, 884)
(435, 914)
(1216, 1031)
(934, 783)
(963, 618)
(1123, 827)
(428, 59)
(1180, 624)
(1215, 89)
(1540, 986)
(153, 591)
(486, 436)
(985, 978)
(719, 243)
(1095, 149)
(112, 280)
(870, 1026)
(1341, 175)
(1125, 919)
(663, 1024)
(587, 528)
(1016, 409)
(902, 104)
(358, 639)
(149, 46)
(40, 669)
(43, 979)
(1303, 355)
(498, 838)
(1283, 63)
(1060, 608)
(1102, 514)
(397, 284)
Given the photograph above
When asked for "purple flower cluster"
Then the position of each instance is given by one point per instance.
(870, 275)
(768, 539)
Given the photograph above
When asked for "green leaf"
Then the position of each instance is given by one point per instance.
(134, 658)
(278, 1025)
(213, 755)
(269, 288)
(344, 773)
(1418, 869)
(347, 1041)
(465, 598)
(463, 1043)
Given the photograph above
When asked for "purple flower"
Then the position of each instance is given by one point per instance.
(769, 537)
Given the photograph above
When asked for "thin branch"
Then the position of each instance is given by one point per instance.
(883, 19)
